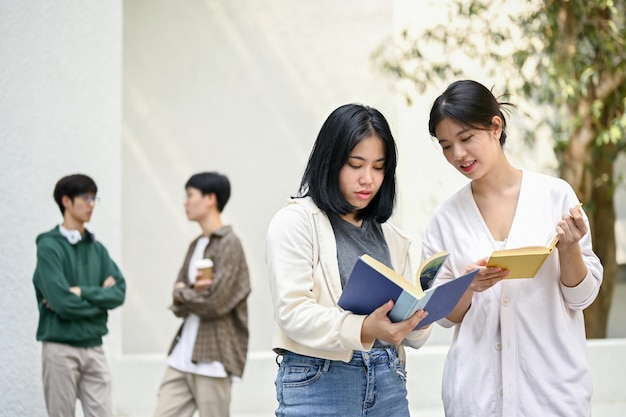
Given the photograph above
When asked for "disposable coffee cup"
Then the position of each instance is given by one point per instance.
(206, 267)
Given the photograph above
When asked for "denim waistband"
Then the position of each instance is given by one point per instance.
(376, 355)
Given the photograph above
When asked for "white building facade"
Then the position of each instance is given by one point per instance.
(140, 95)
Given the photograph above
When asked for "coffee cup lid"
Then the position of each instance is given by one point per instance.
(204, 263)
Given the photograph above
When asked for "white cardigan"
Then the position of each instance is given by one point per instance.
(301, 255)
(520, 349)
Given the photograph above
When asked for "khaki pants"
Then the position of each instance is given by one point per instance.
(69, 373)
(181, 393)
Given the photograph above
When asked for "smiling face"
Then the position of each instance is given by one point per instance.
(470, 150)
(362, 175)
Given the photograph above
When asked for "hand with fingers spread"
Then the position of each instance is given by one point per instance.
(378, 325)
(487, 276)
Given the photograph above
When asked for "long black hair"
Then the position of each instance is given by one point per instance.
(344, 128)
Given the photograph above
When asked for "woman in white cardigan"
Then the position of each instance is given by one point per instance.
(334, 362)
(519, 346)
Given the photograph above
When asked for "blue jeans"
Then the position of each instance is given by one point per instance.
(372, 384)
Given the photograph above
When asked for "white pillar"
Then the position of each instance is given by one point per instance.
(60, 113)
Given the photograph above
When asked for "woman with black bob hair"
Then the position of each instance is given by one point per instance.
(334, 362)
(330, 153)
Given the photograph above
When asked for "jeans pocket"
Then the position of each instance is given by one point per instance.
(295, 375)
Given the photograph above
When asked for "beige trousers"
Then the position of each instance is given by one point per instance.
(69, 373)
(181, 393)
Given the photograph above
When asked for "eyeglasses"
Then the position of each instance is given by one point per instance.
(90, 198)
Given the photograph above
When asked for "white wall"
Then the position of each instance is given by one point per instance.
(60, 113)
(238, 86)
(241, 87)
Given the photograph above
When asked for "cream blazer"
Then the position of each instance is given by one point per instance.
(301, 255)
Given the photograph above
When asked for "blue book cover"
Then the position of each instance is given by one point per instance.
(368, 286)
(440, 301)
(372, 284)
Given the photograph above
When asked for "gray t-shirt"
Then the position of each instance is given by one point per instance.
(352, 242)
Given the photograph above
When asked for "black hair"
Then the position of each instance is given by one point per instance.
(71, 186)
(468, 103)
(344, 128)
(211, 182)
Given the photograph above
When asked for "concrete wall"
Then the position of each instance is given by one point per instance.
(60, 113)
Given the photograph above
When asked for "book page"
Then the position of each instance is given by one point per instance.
(430, 269)
(393, 276)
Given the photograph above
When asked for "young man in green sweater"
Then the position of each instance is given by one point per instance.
(76, 283)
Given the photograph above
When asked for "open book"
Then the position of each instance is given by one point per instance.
(522, 262)
(372, 284)
(429, 269)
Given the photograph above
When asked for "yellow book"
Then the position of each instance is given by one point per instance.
(522, 262)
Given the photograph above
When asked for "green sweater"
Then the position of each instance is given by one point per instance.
(63, 316)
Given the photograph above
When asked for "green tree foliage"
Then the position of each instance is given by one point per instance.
(566, 58)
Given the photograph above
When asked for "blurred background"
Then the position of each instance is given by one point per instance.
(140, 95)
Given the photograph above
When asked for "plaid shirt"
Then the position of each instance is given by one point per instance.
(222, 308)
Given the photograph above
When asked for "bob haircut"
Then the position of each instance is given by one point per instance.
(468, 103)
(72, 186)
(344, 128)
(211, 182)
